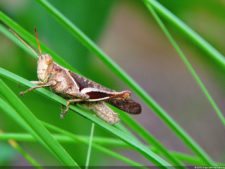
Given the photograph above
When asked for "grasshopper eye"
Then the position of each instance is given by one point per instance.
(48, 59)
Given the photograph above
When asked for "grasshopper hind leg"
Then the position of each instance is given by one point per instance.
(103, 112)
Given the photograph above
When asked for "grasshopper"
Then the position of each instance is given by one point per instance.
(78, 89)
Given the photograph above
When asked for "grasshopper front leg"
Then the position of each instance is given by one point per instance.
(39, 85)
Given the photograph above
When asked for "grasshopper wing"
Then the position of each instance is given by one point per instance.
(127, 105)
(95, 91)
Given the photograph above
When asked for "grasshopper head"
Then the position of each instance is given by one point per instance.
(45, 64)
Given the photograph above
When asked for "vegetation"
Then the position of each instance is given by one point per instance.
(55, 139)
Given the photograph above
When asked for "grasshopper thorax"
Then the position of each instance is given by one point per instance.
(44, 67)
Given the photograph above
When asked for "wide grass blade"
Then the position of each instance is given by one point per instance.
(150, 102)
(36, 126)
(195, 38)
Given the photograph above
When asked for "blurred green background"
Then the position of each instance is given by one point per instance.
(127, 32)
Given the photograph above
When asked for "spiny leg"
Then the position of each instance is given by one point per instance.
(40, 85)
(64, 112)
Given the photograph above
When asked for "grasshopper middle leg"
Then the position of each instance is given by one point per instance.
(64, 112)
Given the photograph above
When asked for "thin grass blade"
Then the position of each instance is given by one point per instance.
(189, 66)
(90, 146)
(190, 33)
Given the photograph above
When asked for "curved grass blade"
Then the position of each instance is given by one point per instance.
(191, 34)
(36, 126)
(87, 114)
(150, 102)
(188, 65)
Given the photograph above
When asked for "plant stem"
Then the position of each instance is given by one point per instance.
(90, 145)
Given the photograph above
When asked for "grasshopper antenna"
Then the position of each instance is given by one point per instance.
(37, 40)
(20, 39)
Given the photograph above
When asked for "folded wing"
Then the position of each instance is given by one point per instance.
(127, 105)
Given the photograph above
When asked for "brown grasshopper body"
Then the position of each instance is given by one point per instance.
(78, 89)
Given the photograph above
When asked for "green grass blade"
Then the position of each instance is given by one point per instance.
(30, 39)
(25, 155)
(99, 141)
(18, 119)
(86, 114)
(90, 146)
(15, 116)
(192, 159)
(15, 40)
(145, 135)
(96, 146)
(188, 65)
(150, 102)
(36, 126)
(191, 34)
(23, 137)
(151, 140)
